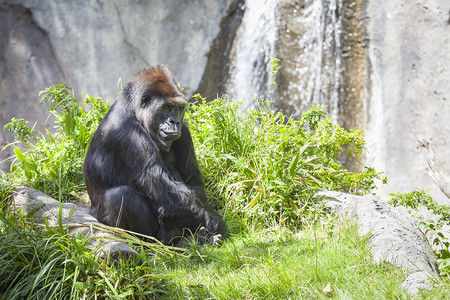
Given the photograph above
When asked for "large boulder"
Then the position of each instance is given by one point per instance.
(75, 218)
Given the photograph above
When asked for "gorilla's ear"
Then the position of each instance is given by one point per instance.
(128, 89)
(129, 94)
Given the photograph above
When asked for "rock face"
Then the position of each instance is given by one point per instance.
(27, 66)
(214, 81)
(409, 90)
(91, 44)
(381, 67)
(393, 237)
(377, 67)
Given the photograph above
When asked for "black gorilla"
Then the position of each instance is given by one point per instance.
(140, 169)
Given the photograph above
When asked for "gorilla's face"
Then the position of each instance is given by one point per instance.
(159, 106)
(162, 118)
(169, 127)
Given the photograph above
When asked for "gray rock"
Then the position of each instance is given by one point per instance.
(42, 208)
(393, 236)
(214, 82)
(409, 88)
(27, 66)
(98, 42)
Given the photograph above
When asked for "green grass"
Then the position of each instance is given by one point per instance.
(441, 290)
(280, 264)
(43, 262)
(264, 263)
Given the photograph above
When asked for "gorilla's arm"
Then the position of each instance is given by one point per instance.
(186, 162)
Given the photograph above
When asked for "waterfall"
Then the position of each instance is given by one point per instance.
(321, 60)
(254, 48)
(318, 63)
(314, 74)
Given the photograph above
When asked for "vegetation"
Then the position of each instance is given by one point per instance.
(52, 163)
(259, 166)
(323, 261)
(261, 169)
(51, 264)
(434, 228)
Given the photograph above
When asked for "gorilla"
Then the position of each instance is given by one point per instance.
(140, 169)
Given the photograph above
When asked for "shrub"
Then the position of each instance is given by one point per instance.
(263, 166)
(52, 163)
(259, 165)
(418, 198)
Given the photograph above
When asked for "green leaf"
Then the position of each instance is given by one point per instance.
(254, 201)
(52, 140)
(293, 165)
(77, 285)
(27, 167)
(19, 154)
(233, 159)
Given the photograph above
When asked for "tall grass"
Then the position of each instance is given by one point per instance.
(261, 165)
(38, 261)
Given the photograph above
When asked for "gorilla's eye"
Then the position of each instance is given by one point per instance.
(145, 101)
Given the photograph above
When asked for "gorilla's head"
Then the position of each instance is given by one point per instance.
(159, 105)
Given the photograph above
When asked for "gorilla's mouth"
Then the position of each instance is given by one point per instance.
(165, 139)
(169, 135)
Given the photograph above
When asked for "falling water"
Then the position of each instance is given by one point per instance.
(253, 51)
(319, 63)
(314, 79)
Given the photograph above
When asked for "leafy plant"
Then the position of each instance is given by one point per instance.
(262, 165)
(273, 73)
(260, 168)
(53, 163)
(258, 165)
(418, 198)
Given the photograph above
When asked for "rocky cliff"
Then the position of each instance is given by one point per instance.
(90, 45)
(409, 89)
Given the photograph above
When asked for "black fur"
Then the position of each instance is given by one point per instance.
(136, 183)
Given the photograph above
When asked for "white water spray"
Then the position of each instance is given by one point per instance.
(254, 49)
(318, 63)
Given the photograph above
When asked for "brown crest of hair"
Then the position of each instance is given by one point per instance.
(161, 82)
